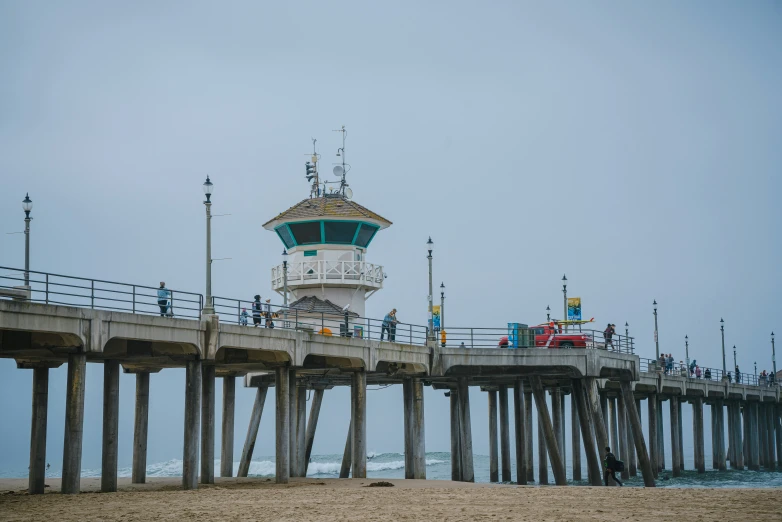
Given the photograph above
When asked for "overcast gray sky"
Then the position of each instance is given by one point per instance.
(634, 146)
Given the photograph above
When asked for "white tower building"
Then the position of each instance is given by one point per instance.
(327, 237)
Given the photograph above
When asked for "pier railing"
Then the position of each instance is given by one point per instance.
(241, 312)
(533, 337)
(98, 294)
(706, 373)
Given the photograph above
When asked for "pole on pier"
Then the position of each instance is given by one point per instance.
(227, 432)
(494, 475)
(456, 452)
(638, 436)
(358, 401)
(312, 425)
(282, 425)
(697, 434)
(587, 433)
(520, 432)
(347, 456)
(465, 438)
(623, 436)
(528, 438)
(37, 477)
(419, 430)
(575, 437)
(252, 431)
(208, 424)
(74, 423)
(301, 431)
(407, 400)
(504, 433)
(109, 450)
(654, 456)
(544, 419)
(192, 424)
(141, 429)
(675, 459)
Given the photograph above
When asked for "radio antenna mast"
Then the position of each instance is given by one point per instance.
(312, 171)
(341, 153)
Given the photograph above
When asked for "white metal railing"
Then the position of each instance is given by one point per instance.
(323, 271)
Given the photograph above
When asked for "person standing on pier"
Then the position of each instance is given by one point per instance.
(257, 310)
(738, 375)
(609, 334)
(610, 464)
(243, 317)
(163, 295)
(389, 325)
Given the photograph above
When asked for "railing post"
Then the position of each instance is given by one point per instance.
(47, 288)
(92, 294)
(411, 335)
(472, 340)
(134, 299)
(238, 312)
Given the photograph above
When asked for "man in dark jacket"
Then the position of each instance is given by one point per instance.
(609, 463)
(257, 306)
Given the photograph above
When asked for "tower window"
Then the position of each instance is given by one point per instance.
(306, 233)
(365, 235)
(285, 235)
(340, 231)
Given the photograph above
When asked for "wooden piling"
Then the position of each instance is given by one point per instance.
(282, 424)
(109, 450)
(227, 431)
(544, 419)
(252, 431)
(192, 424)
(208, 424)
(37, 474)
(312, 425)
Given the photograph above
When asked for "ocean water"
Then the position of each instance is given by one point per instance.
(438, 467)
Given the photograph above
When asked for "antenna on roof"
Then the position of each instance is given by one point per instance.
(341, 171)
(312, 171)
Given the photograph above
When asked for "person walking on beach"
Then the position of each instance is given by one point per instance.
(163, 295)
(610, 465)
(257, 311)
(243, 317)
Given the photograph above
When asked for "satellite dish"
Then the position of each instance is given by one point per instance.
(346, 307)
(338, 171)
(348, 193)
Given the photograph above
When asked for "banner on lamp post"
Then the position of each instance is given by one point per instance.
(436, 317)
(573, 308)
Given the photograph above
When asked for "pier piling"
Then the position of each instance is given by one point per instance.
(587, 433)
(347, 455)
(654, 456)
(520, 432)
(675, 449)
(140, 429)
(575, 437)
(109, 450)
(697, 434)
(504, 433)
(721, 435)
(544, 419)
(456, 452)
(192, 424)
(208, 425)
(419, 430)
(407, 398)
(358, 400)
(37, 474)
(74, 423)
(494, 475)
(312, 425)
(465, 437)
(301, 431)
(638, 436)
(252, 431)
(227, 432)
(282, 424)
(557, 420)
(293, 419)
(623, 436)
(528, 438)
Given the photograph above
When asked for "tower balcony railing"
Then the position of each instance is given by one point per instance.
(305, 273)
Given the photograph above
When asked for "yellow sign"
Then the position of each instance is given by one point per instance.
(574, 308)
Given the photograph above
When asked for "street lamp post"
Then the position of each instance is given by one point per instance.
(756, 373)
(773, 357)
(442, 314)
(734, 357)
(722, 331)
(627, 338)
(27, 206)
(687, 351)
(656, 337)
(564, 293)
(548, 314)
(429, 246)
(208, 303)
(285, 287)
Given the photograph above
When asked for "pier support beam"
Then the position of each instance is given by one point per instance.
(419, 430)
(347, 455)
(675, 449)
(468, 473)
(407, 399)
(638, 436)
(208, 425)
(614, 422)
(293, 419)
(494, 475)
(771, 427)
(681, 438)
(731, 455)
(778, 432)
(109, 451)
(738, 437)
(714, 445)
(282, 424)
(587, 433)
(528, 441)
(660, 433)
(74, 423)
(697, 434)
(721, 435)
(598, 422)
(557, 420)
(227, 431)
(575, 437)
(542, 456)
(623, 436)
(504, 433)
(312, 425)
(192, 424)
(141, 429)
(252, 431)
(654, 456)
(456, 452)
(358, 402)
(520, 432)
(37, 474)
(544, 420)
(754, 447)
(301, 431)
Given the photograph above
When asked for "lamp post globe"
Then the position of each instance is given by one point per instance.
(208, 302)
(27, 206)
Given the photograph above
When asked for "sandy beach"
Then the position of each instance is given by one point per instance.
(331, 499)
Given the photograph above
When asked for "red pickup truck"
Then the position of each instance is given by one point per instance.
(547, 336)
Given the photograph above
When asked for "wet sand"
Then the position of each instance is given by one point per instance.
(334, 499)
